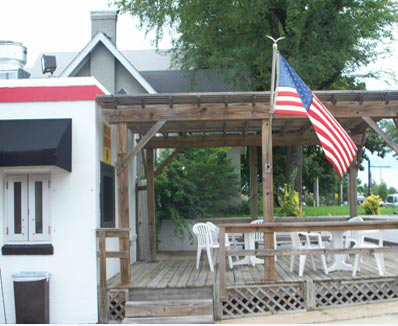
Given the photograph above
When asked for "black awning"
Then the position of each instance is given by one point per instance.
(36, 142)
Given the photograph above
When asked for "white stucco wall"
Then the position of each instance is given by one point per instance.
(169, 241)
(74, 213)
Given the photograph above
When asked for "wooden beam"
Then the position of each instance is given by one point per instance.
(143, 141)
(238, 111)
(317, 251)
(103, 304)
(123, 200)
(286, 125)
(223, 265)
(381, 133)
(253, 182)
(304, 128)
(309, 226)
(151, 202)
(235, 140)
(361, 149)
(352, 188)
(186, 112)
(268, 195)
(167, 161)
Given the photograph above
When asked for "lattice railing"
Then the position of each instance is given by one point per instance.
(262, 299)
(336, 293)
(117, 304)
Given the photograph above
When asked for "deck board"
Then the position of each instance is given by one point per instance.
(182, 272)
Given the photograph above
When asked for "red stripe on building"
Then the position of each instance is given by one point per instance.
(50, 93)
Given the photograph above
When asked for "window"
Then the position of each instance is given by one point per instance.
(107, 196)
(27, 216)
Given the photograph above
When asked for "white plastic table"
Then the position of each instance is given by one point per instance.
(249, 245)
(339, 263)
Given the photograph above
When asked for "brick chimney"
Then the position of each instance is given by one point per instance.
(104, 21)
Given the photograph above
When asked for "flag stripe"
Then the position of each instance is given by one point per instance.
(294, 97)
(320, 131)
(336, 135)
(288, 102)
(343, 133)
(333, 135)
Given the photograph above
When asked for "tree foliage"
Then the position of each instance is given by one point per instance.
(325, 40)
(198, 183)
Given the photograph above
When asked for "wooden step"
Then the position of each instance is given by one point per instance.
(172, 307)
(170, 293)
(202, 319)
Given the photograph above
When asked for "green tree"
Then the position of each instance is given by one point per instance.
(198, 183)
(392, 190)
(381, 190)
(326, 41)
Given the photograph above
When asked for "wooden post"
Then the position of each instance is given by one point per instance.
(123, 200)
(309, 289)
(352, 188)
(253, 183)
(223, 265)
(316, 191)
(103, 300)
(268, 196)
(151, 202)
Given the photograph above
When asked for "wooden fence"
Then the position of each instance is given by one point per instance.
(269, 228)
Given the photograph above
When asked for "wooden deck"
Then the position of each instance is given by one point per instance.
(247, 295)
(177, 270)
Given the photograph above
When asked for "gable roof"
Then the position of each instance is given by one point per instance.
(83, 57)
(179, 81)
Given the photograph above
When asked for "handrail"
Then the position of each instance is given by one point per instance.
(309, 226)
(270, 228)
(124, 235)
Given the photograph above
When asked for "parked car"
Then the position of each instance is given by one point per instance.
(392, 200)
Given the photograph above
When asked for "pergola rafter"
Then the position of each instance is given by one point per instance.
(231, 119)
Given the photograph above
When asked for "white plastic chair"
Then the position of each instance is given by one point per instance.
(259, 236)
(358, 239)
(215, 232)
(205, 240)
(297, 244)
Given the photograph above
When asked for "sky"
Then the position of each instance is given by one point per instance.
(64, 25)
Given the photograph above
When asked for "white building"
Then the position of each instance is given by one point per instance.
(54, 184)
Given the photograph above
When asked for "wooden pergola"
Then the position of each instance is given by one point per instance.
(231, 119)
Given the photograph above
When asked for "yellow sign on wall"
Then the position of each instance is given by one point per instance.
(107, 138)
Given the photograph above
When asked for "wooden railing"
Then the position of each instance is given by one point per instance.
(102, 254)
(269, 228)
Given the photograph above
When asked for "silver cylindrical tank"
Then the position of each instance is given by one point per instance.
(12, 55)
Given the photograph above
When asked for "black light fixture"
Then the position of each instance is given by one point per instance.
(48, 64)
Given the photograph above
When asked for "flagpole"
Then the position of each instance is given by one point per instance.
(275, 67)
(274, 77)
(267, 177)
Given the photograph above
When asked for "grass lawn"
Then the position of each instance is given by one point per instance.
(337, 211)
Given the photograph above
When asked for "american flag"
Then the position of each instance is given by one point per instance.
(293, 97)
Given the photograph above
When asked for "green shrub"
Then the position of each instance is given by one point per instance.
(372, 205)
(290, 200)
(197, 183)
(308, 198)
